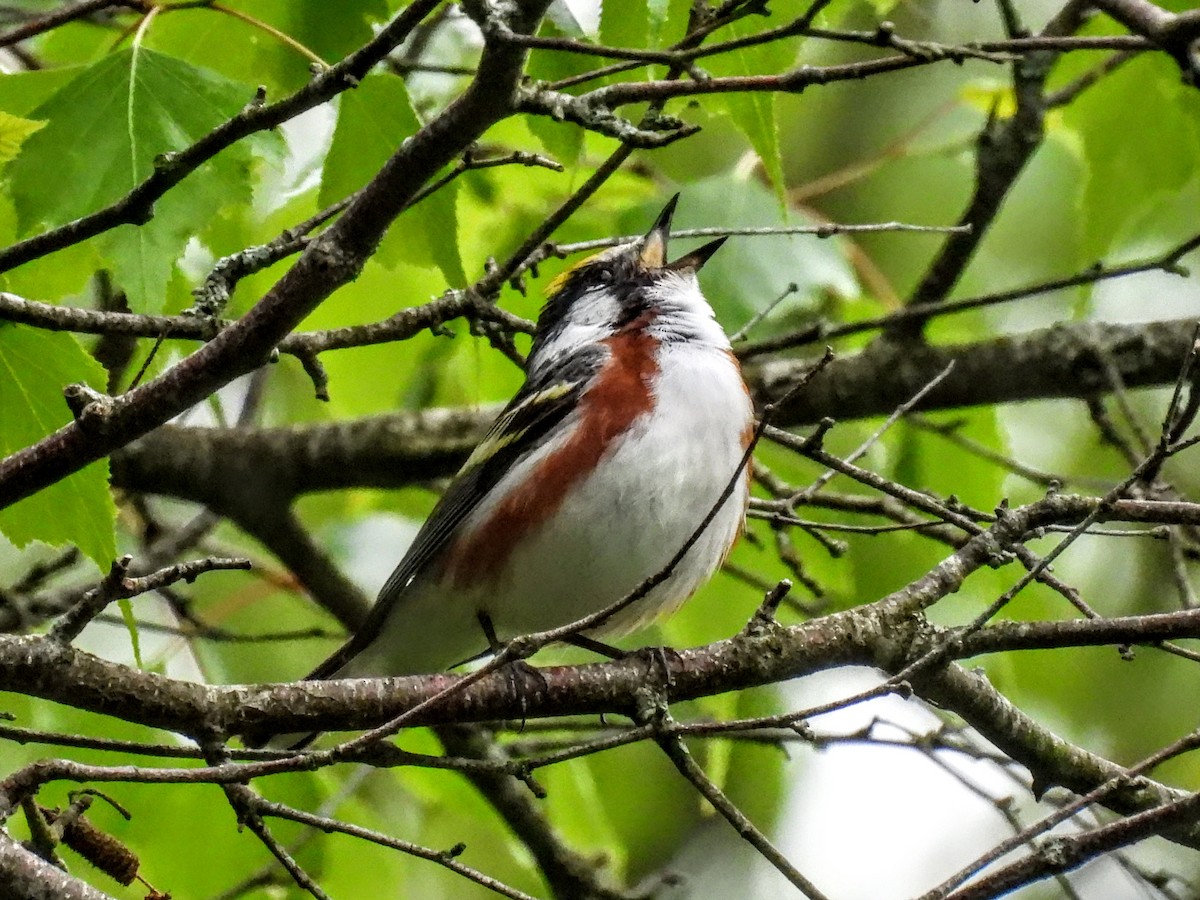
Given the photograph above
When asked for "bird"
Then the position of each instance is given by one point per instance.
(632, 422)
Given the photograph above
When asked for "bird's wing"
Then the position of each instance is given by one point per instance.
(520, 429)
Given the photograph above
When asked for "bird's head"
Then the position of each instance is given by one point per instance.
(623, 287)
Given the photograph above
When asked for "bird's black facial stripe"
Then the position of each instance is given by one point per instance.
(620, 274)
(633, 306)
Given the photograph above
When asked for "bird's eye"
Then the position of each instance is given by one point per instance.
(604, 275)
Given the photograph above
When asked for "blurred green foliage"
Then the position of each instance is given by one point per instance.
(83, 131)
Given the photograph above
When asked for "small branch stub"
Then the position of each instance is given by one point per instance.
(89, 407)
(764, 616)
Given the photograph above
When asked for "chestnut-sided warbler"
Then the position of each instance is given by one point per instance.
(632, 421)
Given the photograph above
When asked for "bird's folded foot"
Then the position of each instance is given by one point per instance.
(660, 662)
(524, 681)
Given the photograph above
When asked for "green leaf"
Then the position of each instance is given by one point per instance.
(640, 798)
(933, 463)
(245, 52)
(13, 132)
(131, 624)
(561, 17)
(755, 113)
(755, 116)
(562, 140)
(330, 36)
(73, 43)
(22, 92)
(50, 278)
(883, 7)
(128, 109)
(634, 23)
(373, 120)
(34, 367)
(624, 23)
(658, 10)
(1127, 178)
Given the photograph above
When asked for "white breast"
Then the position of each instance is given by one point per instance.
(642, 504)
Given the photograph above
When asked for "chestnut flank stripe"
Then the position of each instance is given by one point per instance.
(620, 394)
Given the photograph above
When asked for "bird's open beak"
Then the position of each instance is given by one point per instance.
(654, 245)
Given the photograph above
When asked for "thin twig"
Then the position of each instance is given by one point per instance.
(68, 12)
(861, 450)
(822, 332)
(117, 585)
(682, 759)
(740, 334)
(1186, 744)
(246, 804)
(445, 858)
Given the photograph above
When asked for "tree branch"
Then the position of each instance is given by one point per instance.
(1003, 149)
(26, 876)
(231, 469)
(1061, 361)
(68, 12)
(1177, 33)
(330, 260)
(890, 634)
